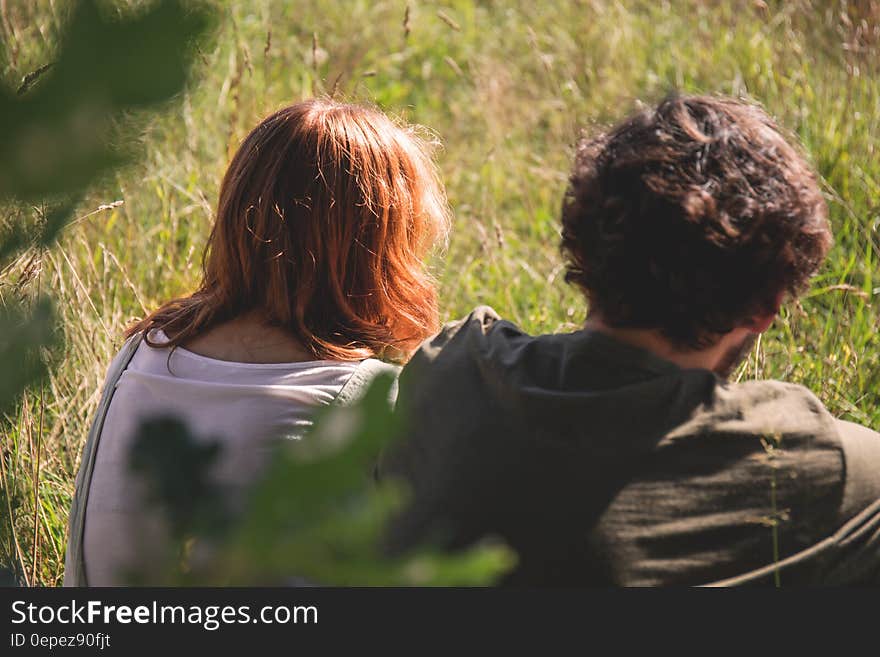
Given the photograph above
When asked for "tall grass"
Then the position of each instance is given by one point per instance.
(508, 87)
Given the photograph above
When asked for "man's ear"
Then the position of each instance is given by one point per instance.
(761, 322)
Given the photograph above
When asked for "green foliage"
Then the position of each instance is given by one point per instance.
(59, 132)
(315, 516)
(57, 137)
(22, 334)
(56, 133)
(176, 468)
(68, 125)
(507, 92)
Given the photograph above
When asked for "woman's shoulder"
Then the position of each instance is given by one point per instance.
(363, 376)
(124, 356)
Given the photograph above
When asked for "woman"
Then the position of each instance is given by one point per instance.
(314, 270)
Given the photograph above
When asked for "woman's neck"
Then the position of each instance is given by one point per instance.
(248, 339)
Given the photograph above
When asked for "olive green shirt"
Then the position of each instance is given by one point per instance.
(602, 464)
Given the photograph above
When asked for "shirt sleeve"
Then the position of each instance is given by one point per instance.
(861, 453)
(855, 557)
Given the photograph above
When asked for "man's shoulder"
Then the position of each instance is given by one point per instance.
(772, 409)
(788, 416)
(773, 427)
(483, 337)
(760, 462)
(755, 428)
(475, 325)
(455, 351)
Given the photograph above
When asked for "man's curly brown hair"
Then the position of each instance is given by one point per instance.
(691, 218)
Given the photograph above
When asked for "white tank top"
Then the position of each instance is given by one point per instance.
(243, 406)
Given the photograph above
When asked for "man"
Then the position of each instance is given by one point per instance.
(619, 454)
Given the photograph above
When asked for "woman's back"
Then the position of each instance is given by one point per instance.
(244, 407)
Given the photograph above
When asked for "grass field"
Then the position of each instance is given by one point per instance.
(507, 87)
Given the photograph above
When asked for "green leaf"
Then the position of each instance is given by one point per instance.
(316, 515)
(23, 334)
(59, 135)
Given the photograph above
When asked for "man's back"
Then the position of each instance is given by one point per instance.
(601, 464)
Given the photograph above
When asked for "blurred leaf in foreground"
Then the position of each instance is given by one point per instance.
(318, 516)
(61, 132)
(22, 333)
(66, 125)
(176, 468)
(57, 136)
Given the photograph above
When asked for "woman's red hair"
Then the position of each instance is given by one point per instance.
(326, 216)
